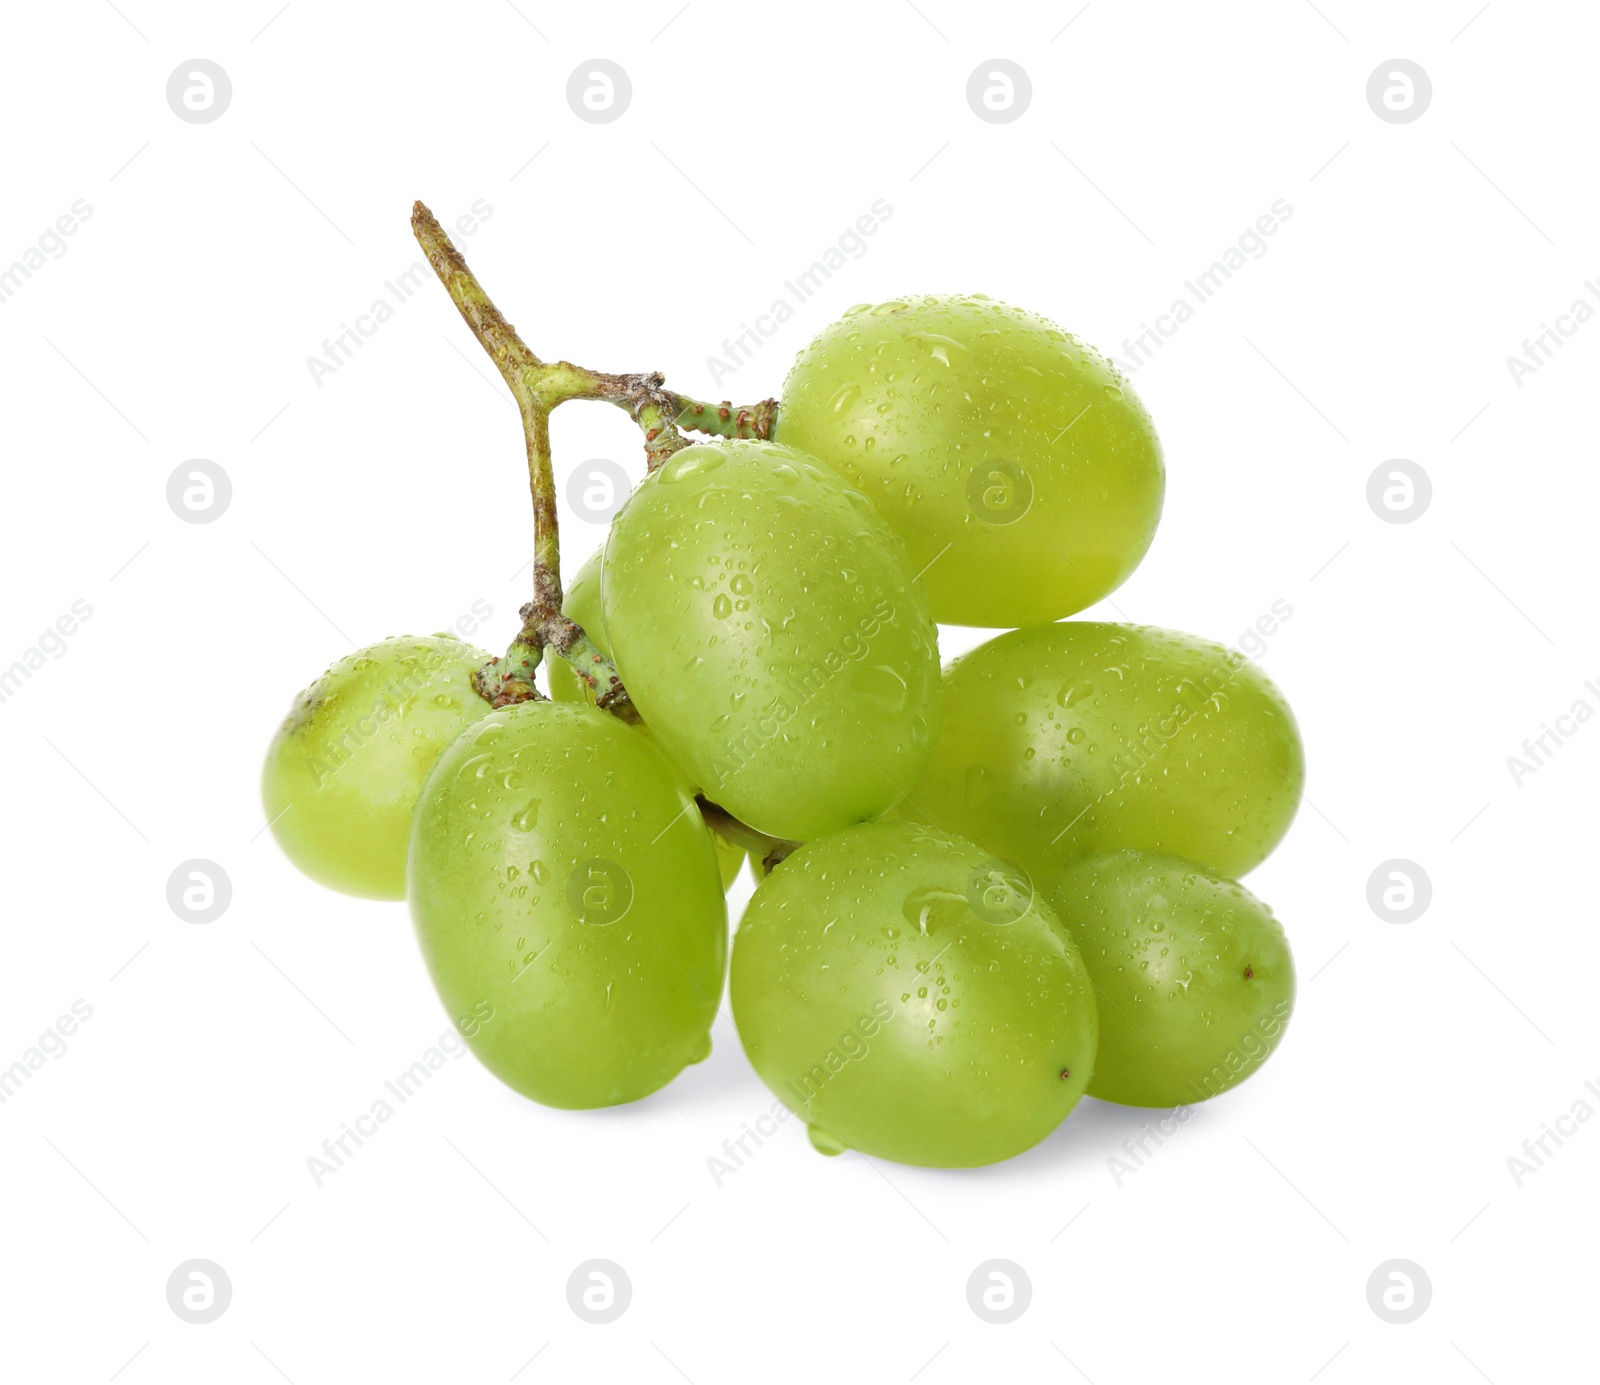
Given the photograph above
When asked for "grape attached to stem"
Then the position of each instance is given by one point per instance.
(909, 997)
(561, 879)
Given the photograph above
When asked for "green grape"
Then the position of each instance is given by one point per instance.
(1017, 464)
(348, 764)
(908, 997)
(567, 899)
(582, 603)
(1060, 741)
(1192, 972)
(771, 634)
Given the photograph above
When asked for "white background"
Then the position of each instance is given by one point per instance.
(390, 498)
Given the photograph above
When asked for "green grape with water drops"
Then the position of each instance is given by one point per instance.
(1192, 972)
(1018, 465)
(1061, 741)
(772, 637)
(910, 997)
(561, 878)
(349, 761)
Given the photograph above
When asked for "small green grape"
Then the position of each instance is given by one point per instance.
(1192, 972)
(771, 635)
(909, 997)
(348, 764)
(1017, 464)
(1061, 741)
(562, 881)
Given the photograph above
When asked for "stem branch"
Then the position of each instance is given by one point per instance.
(769, 850)
(537, 388)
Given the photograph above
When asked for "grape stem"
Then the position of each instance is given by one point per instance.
(769, 850)
(538, 388)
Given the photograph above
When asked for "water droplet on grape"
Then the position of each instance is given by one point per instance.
(689, 463)
(825, 1143)
(930, 906)
(843, 398)
(881, 687)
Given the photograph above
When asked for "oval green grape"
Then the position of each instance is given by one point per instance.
(1018, 465)
(899, 992)
(1193, 974)
(771, 635)
(563, 883)
(1061, 741)
(347, 766)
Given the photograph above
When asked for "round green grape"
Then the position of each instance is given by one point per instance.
(1192, 973)
(907, 996)
(348, 764)
(1060, 741)
(771, 635)
(568, 902)
(1020, 468)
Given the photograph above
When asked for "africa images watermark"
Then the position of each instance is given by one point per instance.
(1252, 244)
(52, 243)
(339, 1149)
(1537, 750)
(1195, 697)
(1136, 1151)
(1540, 350)
(1252, 1049)
(737, 1148)
(52, 643)
(853, 647)
(50, 1044)
(850, 245)
(340, 349)
(853, 1045)
(1538, 1149)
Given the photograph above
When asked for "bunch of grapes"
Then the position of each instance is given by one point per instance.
(982, 892)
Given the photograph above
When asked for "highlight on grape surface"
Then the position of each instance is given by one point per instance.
(983, 892)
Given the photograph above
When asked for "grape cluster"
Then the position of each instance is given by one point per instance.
(982, 893)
